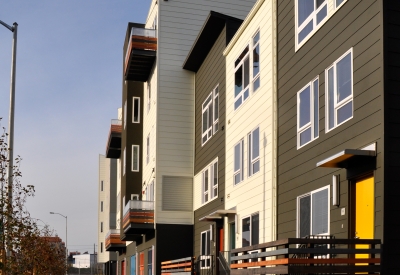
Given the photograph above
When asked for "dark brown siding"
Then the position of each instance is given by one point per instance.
(392, 137)
(357, 24)
(210, 74)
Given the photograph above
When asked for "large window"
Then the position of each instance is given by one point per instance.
(135, 158)
(310, 14)
(250, 230)
(210, 182)
(205, 249)
(247, 70)
(210, 116)
(339, 91)
(313, 213)
(307, 113)
(238, 166)
(136, 110)
(254, 151)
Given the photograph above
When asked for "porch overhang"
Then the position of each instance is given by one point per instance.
(217, 215)
(345, 158)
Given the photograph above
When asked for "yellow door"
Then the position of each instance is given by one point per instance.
(364, 224)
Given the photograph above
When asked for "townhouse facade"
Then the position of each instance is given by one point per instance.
(337, 122)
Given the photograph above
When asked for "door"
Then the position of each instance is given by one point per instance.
(221, 239)
(123, 268)
(364, 211)
(133, 265)
(141, 264)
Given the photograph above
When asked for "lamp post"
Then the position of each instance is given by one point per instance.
(66, 240)
(13, 29)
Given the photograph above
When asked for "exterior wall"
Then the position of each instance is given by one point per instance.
(179, 24)
(357, 24)
(255, 193)
(210, 74)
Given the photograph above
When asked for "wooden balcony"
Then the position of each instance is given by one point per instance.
(113, 149)
(308, 256)
(138, 217)
(113, 241)
(141, 54)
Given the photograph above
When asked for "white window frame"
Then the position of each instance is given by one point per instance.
(348, 99)
(125, 114)
(253, 160)
(257, 76)
(241, 64)
(241, 160)
(206, 258)
(251, 227)
(148, 96)
(340, 5)
(148, 149)
(208, 195)
(137, 158)
(124, 163)
(133, 110)
(313, 124)
(311, 209)
(209, 107)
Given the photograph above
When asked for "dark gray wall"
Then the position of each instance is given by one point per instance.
(357, 24)
(211, 73)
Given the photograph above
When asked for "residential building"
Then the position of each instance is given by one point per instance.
(338, 136)
(206, 60)
(106, 212)
(251, 129)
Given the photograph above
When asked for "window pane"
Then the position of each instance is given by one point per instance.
(205, 121)
(256, 84)
(345, 112)
(322, 14)
(215, 174)
(216, 105)
(256, 38)
(237, 178)
(305, 136)
(316, 110)
(256, 166)
(304, 213)
(246, 232)
(238, 80)
(305, 8)
(249, 158)
(343, 72)
(246, 70)
(245, 94)
(210, 117)
(320, 212)
(331, 121)
(208, 243)
(237, 157)
(135, 164)
(256, 60)
(254, 229)
(135, 110)
(256, 143)
(306, 30)
(232, 236)
(206, 181)
(338, 2)
(238, 102)
(304, 106)
(203, 243)
(241, 57)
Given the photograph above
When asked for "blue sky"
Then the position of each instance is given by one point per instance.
(69, 73)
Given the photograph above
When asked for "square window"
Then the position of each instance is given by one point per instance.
(308, 113)
(254, 151)
(339, 91)
(313, 213)
(238, 162)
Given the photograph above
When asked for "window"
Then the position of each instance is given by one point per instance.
(102, 185)
(148, 96)
(150, 191)
(307, 113)
(310, 15)
(205, 249)
(313, 213)
(339, 2)
(136, 110)
(210, 110)
(238, 163)
(124, 165)
(210, 182)
(148, 149)
(250, 230)
(101, 227)
(339, 91)
(135, 158)
(254, 151)
(125, 115)
(101, 247)
(101, 206)
(150, 262)
(256, 61)
(242, 77)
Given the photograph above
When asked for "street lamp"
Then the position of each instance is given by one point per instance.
(66, 240)
(13, 29)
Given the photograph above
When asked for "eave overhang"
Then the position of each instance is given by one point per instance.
(347, 158)
(208, 34)
(113, 148)
(218, 215)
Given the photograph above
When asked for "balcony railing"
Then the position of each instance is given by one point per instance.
(308, 256)
(140, 54)
(113, 241)
(138, 217)
(113, 148)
